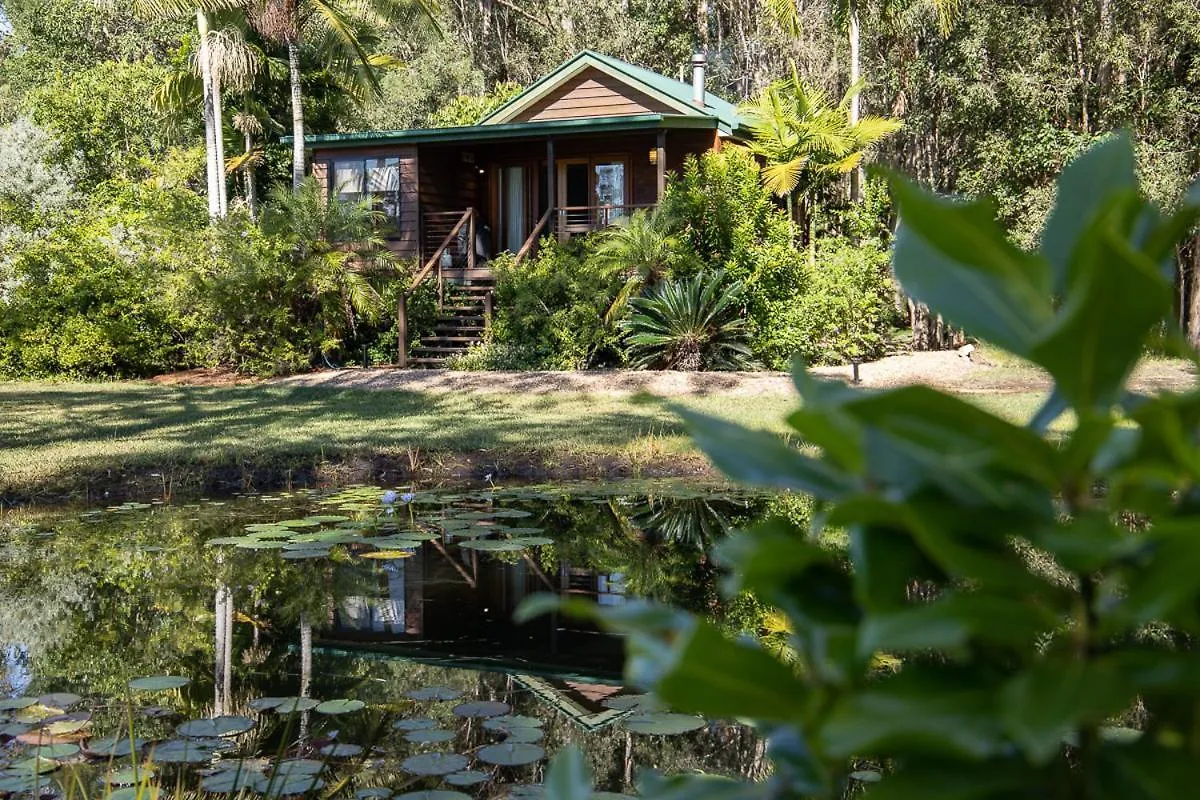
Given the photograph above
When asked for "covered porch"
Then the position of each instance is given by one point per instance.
(505, 196)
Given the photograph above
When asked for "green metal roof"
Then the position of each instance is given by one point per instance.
(509, 130)
(650, 82)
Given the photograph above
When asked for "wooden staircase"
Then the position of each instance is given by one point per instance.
(464, 317)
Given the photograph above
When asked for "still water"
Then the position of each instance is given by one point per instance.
(352, 643)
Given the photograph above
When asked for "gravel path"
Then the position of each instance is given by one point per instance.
(945, 370)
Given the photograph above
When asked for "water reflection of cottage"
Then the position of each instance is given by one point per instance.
(452, 601)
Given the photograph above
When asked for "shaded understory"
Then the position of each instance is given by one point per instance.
(139, 439)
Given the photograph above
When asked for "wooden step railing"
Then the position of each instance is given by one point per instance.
(434, 265)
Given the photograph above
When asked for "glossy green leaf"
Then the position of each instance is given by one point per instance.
(568, 776)
(954, 257)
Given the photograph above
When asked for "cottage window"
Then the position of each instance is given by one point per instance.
(373, 180)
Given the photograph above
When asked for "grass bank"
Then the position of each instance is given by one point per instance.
(114, 439)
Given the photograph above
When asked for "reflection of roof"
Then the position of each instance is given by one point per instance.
(580, 702)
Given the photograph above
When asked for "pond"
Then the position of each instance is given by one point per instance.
(353, 643)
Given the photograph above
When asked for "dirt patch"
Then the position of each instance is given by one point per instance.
(203, 377)
(947, 370)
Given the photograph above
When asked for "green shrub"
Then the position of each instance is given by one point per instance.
(1038, 600)
(843, 310)
(87, 299)
(693, 324)
(495, 356)
(553, 307)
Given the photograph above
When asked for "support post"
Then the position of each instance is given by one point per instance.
(402, 331)
(661, 164)
(551, 180)
(487, 311)
(471, 244)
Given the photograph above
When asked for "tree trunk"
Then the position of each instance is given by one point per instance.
(219, 142)
(212, 169)
(856, 177)
(297, 115)
(251, 181)
(1190, 263)
(930, 331)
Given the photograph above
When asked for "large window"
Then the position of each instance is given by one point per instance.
(374, 180)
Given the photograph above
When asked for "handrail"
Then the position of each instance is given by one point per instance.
(437, 254)
(434, 260)
(534, 235)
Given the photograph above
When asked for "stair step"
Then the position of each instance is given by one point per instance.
(433, 363)
(435, 349)
(464, 318)
(441, 339)
(462, 308)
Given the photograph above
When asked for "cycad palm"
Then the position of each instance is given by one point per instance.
(692, 324)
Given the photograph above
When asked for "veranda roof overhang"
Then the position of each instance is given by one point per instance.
(544, 129)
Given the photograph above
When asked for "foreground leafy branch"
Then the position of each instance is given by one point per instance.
(1041, 598)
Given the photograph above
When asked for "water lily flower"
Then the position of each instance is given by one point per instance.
(389, 498)
(406, 498)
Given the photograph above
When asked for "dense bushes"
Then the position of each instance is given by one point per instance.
(563, 308)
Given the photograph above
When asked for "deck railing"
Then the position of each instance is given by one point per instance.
(566, 221)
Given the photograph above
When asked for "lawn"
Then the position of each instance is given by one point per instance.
(57, 438)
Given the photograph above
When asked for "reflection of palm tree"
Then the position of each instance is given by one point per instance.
(690, 521)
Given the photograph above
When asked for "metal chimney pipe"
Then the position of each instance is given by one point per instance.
(699, 61)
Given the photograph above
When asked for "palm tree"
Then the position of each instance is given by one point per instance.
(642, 250)
(333, 245)
(846, 17)
(345, 27)
(211, 108)
(804, 140)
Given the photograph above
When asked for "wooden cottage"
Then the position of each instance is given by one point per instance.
(578, 150)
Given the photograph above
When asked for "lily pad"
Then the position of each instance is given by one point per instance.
(414, 724)
(27, 782)
(182, 751)
(17, 703)
(373, 793)
(292, 705)
(60, 700)
(643, 703)
(297, 766)
(482, 708)
(432, 693)
(434, 764)
(526, 735)
(339, 750)
(215, 728)
(662, 724)
(493, 545)
(510, 755)
(509, 721)
(386, 555)
(158, 683)
(298, 523)
(266, 703)
(114, 747)
(433, 794)
(36, 764)
(334, 707)
(140, 792)
(866, 776)
(322, 519)
(300, 784)
(467, 778)
(431, 736)
(234, 781)
(55, 752)
(66, 724)
(300, 555)
(260, 544)
(14, 729)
